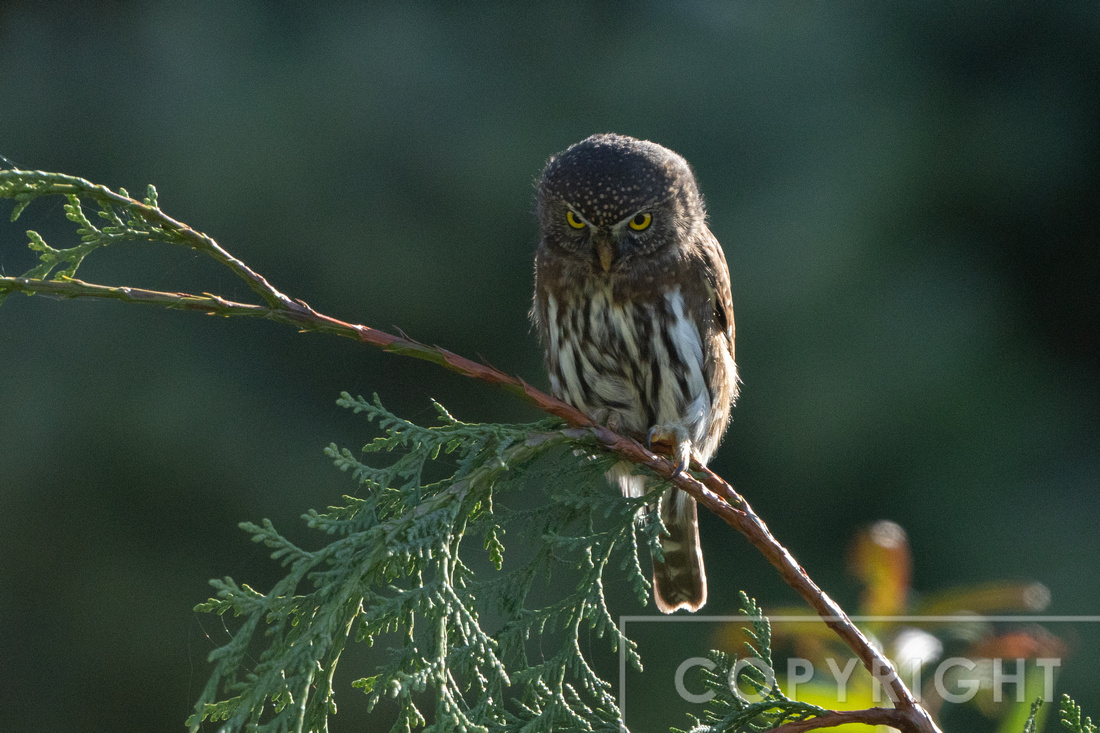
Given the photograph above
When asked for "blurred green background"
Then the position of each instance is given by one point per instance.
(907, 196)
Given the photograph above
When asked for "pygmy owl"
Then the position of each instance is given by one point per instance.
(632, 305)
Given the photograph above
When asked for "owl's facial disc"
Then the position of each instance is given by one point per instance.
(608, 243)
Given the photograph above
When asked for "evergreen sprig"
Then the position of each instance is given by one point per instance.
(121, 221)
(730, 710)
(1069, 713)
(1032, 722)
(402, 560)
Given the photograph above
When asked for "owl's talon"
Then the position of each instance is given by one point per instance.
(677, 436)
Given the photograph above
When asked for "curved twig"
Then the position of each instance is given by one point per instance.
(893, 717)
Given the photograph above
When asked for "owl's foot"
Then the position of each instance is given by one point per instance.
(607, 417)
(613, 422)
(676, 436)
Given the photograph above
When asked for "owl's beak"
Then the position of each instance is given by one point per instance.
(606, 254)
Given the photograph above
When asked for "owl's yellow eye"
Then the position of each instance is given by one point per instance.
(574, 220)
(641, 221)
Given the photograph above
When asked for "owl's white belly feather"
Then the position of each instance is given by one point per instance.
(637, 365)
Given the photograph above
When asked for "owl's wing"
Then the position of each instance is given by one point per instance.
(718, 285)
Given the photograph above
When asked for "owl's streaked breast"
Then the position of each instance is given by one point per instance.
(639, 363)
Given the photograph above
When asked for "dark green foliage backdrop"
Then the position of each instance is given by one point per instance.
(907, 198)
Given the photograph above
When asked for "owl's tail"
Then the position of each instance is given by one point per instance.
(680, 581)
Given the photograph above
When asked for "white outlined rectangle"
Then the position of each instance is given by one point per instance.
(810, 618)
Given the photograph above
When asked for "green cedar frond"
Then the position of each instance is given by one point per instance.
(120, 222)
(1070, 715)
(396, 562)
(1033, 718)
(730, 711)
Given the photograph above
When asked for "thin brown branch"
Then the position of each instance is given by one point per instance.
(712, 491)
(871, 716)
(74, 288)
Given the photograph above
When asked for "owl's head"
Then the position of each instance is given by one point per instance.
(611, 201)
